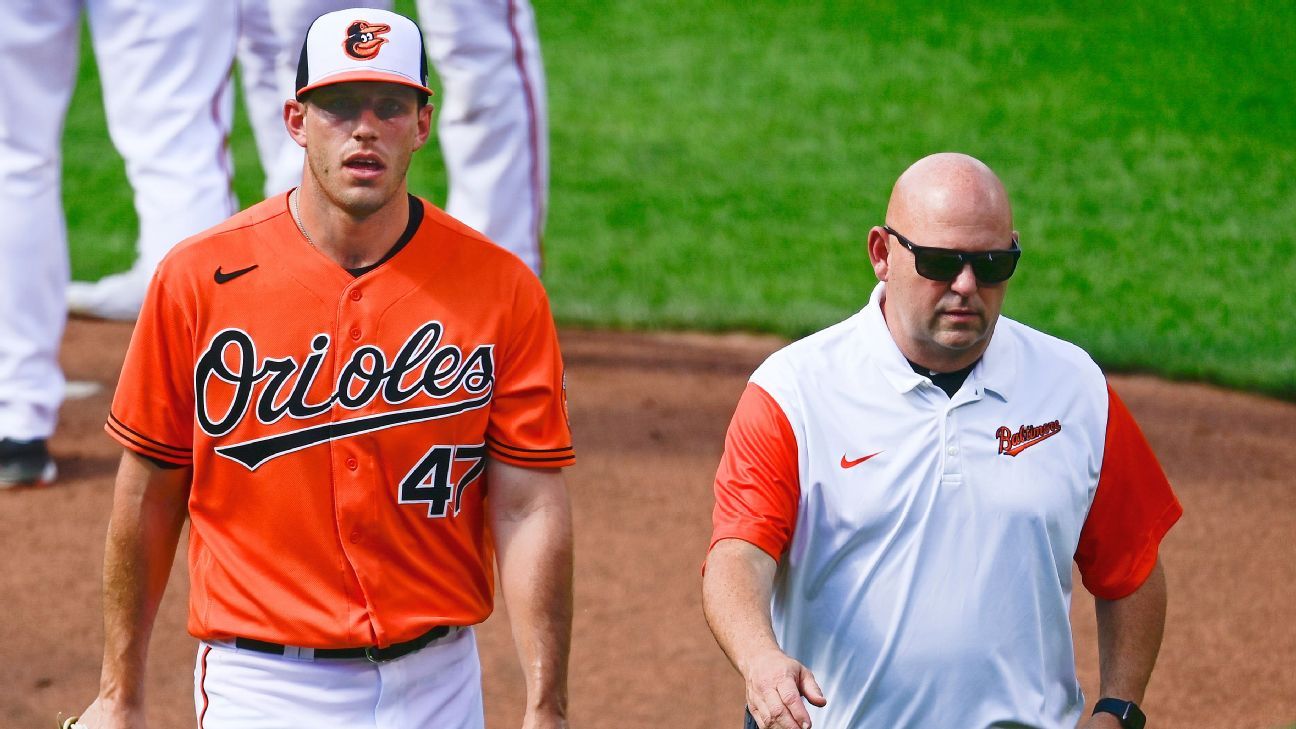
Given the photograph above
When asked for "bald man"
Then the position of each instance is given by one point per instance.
(902, 496)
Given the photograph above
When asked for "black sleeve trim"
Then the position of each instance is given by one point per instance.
(164, 465)
(137, 436)
(144, 449)
(569, 455)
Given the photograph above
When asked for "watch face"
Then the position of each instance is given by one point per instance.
(1127, 711)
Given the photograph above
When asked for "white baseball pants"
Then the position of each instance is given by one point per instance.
(493, 122)
(163, 66)
(438, 686)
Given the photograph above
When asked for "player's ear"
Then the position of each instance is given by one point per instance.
(294, 115)
(877, 252)
(424, 125)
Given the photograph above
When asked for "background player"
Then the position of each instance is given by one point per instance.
(333, 463)
(164, 66)
(904, 493)
(493, 123)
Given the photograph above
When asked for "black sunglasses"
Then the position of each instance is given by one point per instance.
(943, 264)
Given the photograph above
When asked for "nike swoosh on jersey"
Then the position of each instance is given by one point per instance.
(851, 464)
(227, 277)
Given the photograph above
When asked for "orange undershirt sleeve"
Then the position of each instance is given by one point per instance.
(757, 487)
(1132, 510)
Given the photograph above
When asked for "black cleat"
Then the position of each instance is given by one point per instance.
(25, 463)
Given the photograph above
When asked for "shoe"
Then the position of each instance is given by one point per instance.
(25, 463)
(118, 297)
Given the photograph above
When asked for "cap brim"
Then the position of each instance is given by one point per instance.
(364, 75)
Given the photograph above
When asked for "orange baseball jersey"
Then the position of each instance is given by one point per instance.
(338, 426)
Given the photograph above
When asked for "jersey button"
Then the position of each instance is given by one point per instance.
(352, 464)
(355, 536)
(356, 295)
(953, 450)
(355, 332)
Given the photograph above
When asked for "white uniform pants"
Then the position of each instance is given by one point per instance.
(163, 66)
(493, 122)
(438, 686)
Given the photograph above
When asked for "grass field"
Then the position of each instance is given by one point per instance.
(716, 165)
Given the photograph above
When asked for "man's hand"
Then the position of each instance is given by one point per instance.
(775, 684)
(106, 714)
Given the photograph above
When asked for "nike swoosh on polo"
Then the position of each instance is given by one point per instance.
(227, 277)
(851, 464)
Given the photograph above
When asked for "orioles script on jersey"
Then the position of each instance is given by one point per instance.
(421, 364)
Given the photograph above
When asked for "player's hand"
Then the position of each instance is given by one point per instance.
(1102, 721)
(106, 714)
(775, 685)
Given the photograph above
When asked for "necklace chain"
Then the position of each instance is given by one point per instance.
(296, 214)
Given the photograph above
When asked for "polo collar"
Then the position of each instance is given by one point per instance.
(886, 354)
(995, 373)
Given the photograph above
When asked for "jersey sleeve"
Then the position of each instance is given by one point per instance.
(757, 486)
(528, 424)
(152, 409)
(1132, 510)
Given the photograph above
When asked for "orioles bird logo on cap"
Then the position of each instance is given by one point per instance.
(364, 38)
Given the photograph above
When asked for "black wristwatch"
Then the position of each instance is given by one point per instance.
(1127, 711)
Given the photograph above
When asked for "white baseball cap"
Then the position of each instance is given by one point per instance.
(362, 44)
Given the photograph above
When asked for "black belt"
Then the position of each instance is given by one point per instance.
(373, 653)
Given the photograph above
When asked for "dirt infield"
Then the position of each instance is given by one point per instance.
(649, 413)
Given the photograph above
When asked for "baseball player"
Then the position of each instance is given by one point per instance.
(328, 385)
(493, 126)
(163, 78)
(902, 495)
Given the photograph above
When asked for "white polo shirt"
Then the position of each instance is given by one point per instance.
(925, 542)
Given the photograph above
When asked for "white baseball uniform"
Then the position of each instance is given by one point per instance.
(925, 542)
(163, 67)
(493, 122)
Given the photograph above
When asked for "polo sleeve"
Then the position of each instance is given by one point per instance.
(528, 425)
(757, 486)
(152, 410)
(1132, 510)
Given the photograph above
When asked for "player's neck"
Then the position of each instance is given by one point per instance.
(349, 240)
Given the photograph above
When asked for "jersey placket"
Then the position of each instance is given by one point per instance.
(352, 469)
(951, 443)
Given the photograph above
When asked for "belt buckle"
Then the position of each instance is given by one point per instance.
(371, 655)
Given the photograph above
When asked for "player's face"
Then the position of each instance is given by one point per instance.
(359, 138)
(942, 325)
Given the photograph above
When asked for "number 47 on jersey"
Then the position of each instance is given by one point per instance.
(429, 481)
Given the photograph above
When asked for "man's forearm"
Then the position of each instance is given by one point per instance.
(534, 550)
(736, 593)
(735, 599)
(149, 507)
(1129, 637)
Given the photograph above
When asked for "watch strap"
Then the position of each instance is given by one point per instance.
(1131, 717)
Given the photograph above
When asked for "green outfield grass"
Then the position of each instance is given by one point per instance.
(716, 165)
